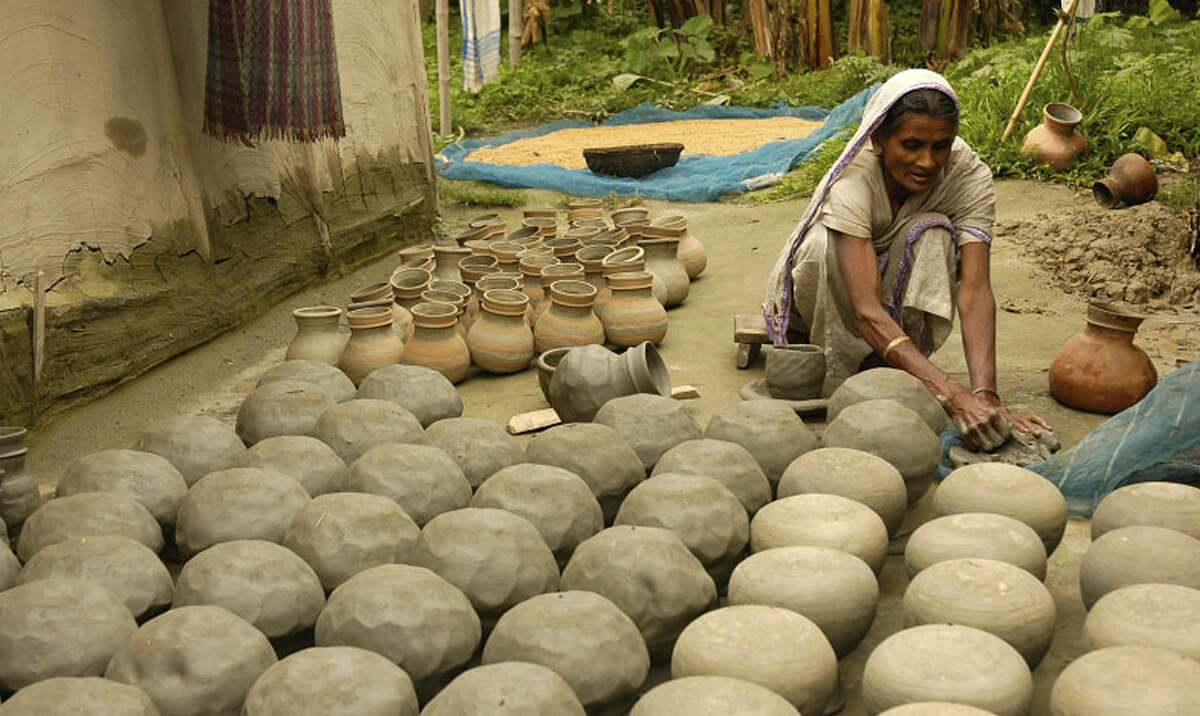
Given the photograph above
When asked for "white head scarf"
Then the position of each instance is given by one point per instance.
(777, 304)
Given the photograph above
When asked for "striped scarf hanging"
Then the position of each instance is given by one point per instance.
(272, 71)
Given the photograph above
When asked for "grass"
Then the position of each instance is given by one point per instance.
(470, 193)
(1180, 196)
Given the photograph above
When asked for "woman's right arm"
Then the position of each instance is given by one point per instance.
(980, 423)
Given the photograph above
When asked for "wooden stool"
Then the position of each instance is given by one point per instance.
(749, 333)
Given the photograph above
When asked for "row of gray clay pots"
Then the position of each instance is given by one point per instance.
(393, 544)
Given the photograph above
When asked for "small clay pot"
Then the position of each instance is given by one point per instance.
(1101, 370)
(464, 237)
(569, 320)
(372, 292)
(318, 335)
(565, 247)
(506, 253)
(479, 247)
(795, 372)
(445, 262)
(472, 268)
(592, 260)
(500, 340)
(531, 268)
(662, 259)
(1130, 181)
(543, 213)
(546, 225)
(1056, 141)
(633, 315)
(550, 274)
(373, 344)
(691, 251)
(435, 343)
(546, 363)
(630, 212)
(527, 236)
(407, 286)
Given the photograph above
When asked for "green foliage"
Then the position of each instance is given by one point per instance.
(465, 193)
(1181, 196)
(667, 53)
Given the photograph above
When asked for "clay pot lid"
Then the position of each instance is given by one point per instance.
(369, 317)
(316, 312)
(533, 265)
(572, 292)
(627, 255)
(372, 292)
(456, 287)
(561, 271)
(409, 282)
(493, 282)
(1109, 315)
(1061, 114)
(630, 280)
(505, 302)
(434, 315)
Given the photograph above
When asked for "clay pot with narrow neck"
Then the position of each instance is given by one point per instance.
(550, 274)
(407, 286)
(547, 226)
(473, 268)
(506, 253)
(319, 336)
(1101, 370)
(435, 344)
(592, 260)
(500, 340)
(445, 262)
(527, 236)
(630, 258)
(564, 248)
(454, 299)
(371, 292)
(1056, 141)
(372, 345)
(546, 362)
(637, 213)
(1130, 181)
(531, 268)
(19, 496)
(633, 315)
(691, 251)
(589, 376)
(491, 282)
(662, 259)
(569, 321)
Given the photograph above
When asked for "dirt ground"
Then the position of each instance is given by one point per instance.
(742, 241)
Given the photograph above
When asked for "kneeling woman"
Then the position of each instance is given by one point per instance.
(897, 237)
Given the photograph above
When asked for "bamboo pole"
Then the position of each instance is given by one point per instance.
(443, 50)
(1037, 70)
(515, 30)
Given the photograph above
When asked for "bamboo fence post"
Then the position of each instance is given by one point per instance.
(1037, 71)
(515, 31)
(443, 50)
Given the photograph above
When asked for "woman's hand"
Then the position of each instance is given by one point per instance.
(1025, 422)
(985, 426)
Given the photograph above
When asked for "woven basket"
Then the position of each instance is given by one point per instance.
(632, 160)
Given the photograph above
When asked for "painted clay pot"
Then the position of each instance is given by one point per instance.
(632, 258)
(662, 259)
(500, 340)
(455, 299)
(550, 274)
(473, 268)
(373, 344)
(407, 286)
(632, 315)
(589, 376)
(569, 320)
(1101, 370)
(445, 261)
(691, 251)
(19, 497)
(435, 344)
(546, 363)
(318, 335)
(1056, 141)
(531, 268)
(795, 372)
(633, 228)
(499, 281)
(1130, 181)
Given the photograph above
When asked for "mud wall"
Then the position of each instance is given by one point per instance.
(150, 237)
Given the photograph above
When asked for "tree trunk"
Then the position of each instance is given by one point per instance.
(869, 31)
(943, 30)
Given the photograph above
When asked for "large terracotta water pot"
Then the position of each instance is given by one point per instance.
(569, 320)
(589, 376)
(19, 496)
(1056, 141)
(633, 315)
(373, 344)
(435, 344)
(1101, 370)
(318, 335)
(500, 340)
(1130, 181)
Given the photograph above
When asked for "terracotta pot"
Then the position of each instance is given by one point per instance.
(527, 236)
(506, 253)
(569, 320)
(318, 335)
(492, 225)
(1101, 370)
(588, 224)
(544, 213)
(407, 286)
(548, 226)
(500, 340)
(546, 363)
(415, 252)
(372, 345)
(454, 299)
(662, 259)
(445, 262)
(19, 496)
(583, 233)
(631, 258)
(1130, 181)
(536, 251)
(371, 292)
(474, 267)
(491, 282)
(637, 213)
(691, 251)
(633, 315)
(531, 269)
(456, 287)
(435, 344)
(425, 263)
(565, 247)
(550, 274)
(479, 247)
(592, 260)
(589, 376)
(633, 227)
(470, 234)
(1056, 141)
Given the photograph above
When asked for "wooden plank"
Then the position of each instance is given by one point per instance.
(749, 328)
(685, 392)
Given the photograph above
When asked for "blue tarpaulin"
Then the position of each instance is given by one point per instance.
(694, 178)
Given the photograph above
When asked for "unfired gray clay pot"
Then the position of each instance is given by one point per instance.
(89, 514)
(649, 573)
(59, 627)
(356, 426)
(327, 377)
(411, 616)
(590, 376)
(594, 452)
(195, 444)
(511, 688)
(341, 680)
(309, 461)
(1156, 615)
(1156, 504)
(983, 535)
(423, 480)
(581, 636)
(480, 447)
(650, 424)
(857, 475)
(711, 696)
(422, 391)
(90, 695)
(146, 477)
(343, 533)
(822, 521)
(281, 407)
(888, 384)
(193, 661)
(1138, 555)
(891, 431)
(1005, 490)
(726, 462)
(236, 504)
(795, 372)
(1128, 680)
(768, 429)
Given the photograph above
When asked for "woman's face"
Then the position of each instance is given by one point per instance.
(915, 152)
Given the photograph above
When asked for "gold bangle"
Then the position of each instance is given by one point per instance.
(893, 343)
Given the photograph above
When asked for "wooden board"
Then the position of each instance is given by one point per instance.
(534, 420)
(750, 328)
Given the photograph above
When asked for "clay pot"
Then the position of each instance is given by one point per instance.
(632, 315)
(1005, 490)
(1156, 615)
(662, 259)
(633, 227)
(373, 344)
(492, 224)
(475, 267)
(587, 224)
(506, 253)
(500, 341)
(435, 344)
(691, 251)
(631, 212)
(853, 474)
(469, 234)
(728, 463)
(1130, 181)
(817, 520)
(569, 320)
(1138, 555)
(531, 268)
(407, 286)
(592, 260)
(589, 376)
(445, 262)
(19, 497)
(565, 247)
(454, 299)
(543, 213)
(479, 247)
(550, 274)
(1101, 370)
(372, 292)
(1154, 504)
(332, 680)
(527, 236)
(522, 688)
(546, 225)
(318, 336)
(1127, 680)
(632, 258)
(981, 535)
(587, 229)
(795, 372)
(546, 363)
(612, 237)
(1056, 141)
